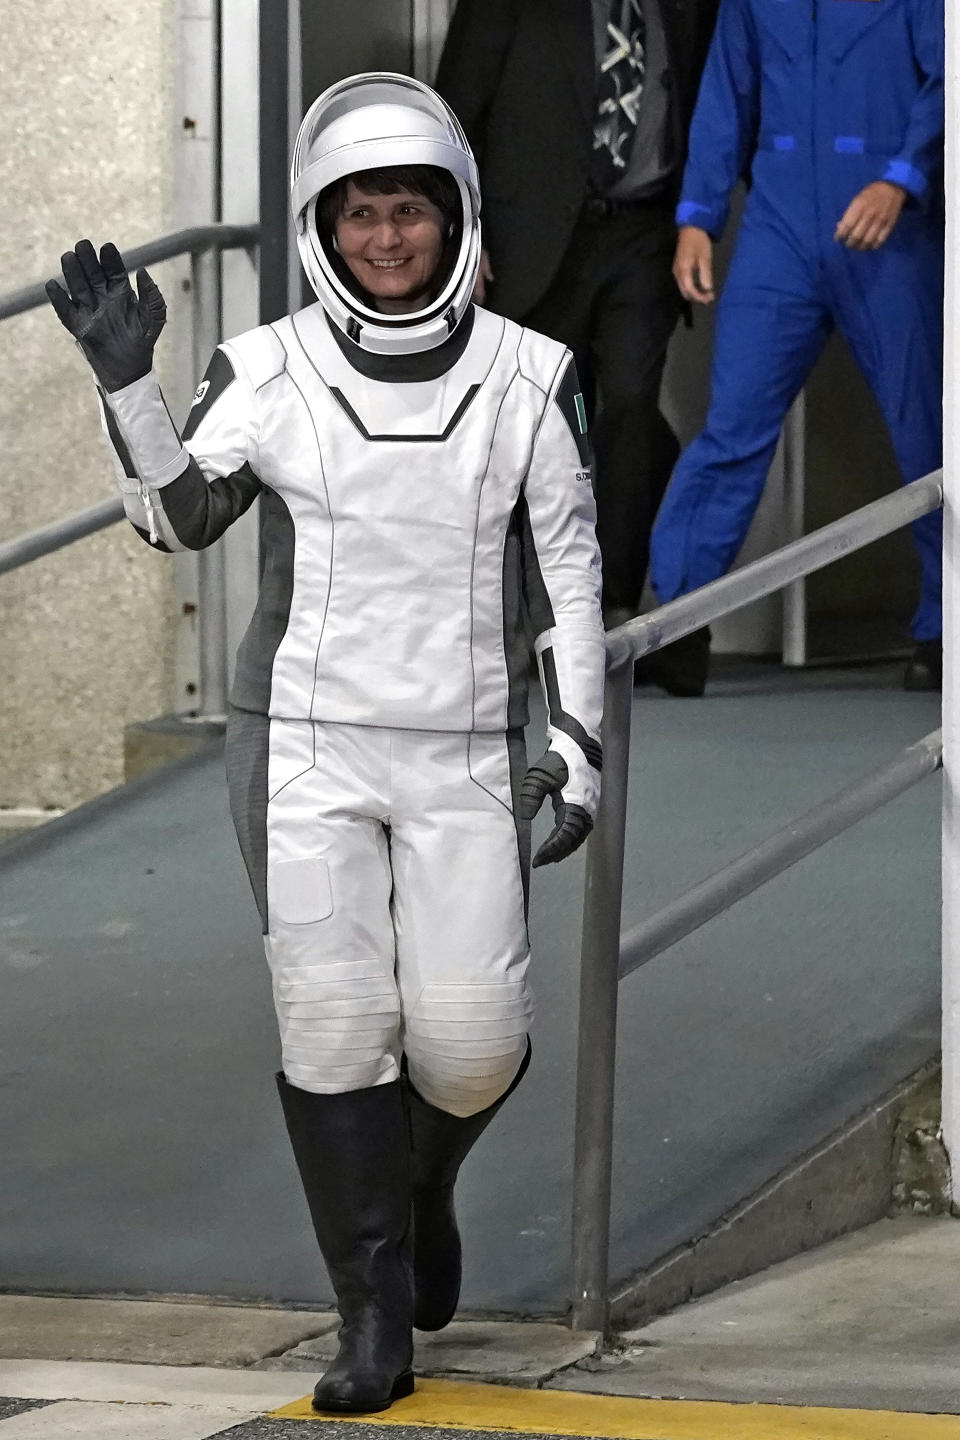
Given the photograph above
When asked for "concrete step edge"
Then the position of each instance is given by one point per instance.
(842, 1184)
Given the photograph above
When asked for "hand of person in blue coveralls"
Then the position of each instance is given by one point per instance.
(693, 264)
(115, 328)
(868, 220)
(548, 776)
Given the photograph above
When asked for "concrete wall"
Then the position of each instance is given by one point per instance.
(86, 149)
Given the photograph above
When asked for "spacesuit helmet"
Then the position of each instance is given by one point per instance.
(372, 122)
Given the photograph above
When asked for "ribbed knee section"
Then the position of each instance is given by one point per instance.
(338, 1025)
(465, 1043)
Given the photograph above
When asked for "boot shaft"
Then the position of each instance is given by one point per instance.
(440, 1142)
(353, 1154)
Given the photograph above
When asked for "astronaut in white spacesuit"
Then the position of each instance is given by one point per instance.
(426, 505)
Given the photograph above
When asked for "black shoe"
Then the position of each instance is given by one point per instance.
(353, 1154)
(440, 1143)
(680, 668)
(925, 670)
(616, 615)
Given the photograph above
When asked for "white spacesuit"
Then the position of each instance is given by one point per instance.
(425, 497)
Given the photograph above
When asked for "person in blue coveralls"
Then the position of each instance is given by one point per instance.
(835, 108)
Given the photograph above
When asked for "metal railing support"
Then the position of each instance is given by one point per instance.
(597, 1042)
(165, 247)
(206, 333)
(794, 496)
(776, 854)
(600, 945)
(762, 577)
(214, 660)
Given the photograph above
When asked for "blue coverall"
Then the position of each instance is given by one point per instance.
(824, 97)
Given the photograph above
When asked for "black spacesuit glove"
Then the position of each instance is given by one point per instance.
(547, 776)
(115, 328)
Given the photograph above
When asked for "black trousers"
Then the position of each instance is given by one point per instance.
(615, 303)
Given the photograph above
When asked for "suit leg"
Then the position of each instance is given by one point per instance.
(459, 863)
(634, 315)
(772, 323)
(458, 909)
(890, 307)
(329, 937)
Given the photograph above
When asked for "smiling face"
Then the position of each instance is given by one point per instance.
(392, 246)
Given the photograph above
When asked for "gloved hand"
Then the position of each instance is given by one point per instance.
(548, 776)
(115, 329)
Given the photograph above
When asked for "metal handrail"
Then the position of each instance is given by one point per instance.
(772, 572)
(59, 534)
(777, 853)
(193, 241)
(606, 956)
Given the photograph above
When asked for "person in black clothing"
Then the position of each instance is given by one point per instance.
(577, 112)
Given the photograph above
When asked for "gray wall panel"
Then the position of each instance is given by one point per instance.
(341, 38)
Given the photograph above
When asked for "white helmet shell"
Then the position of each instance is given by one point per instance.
(370, 122)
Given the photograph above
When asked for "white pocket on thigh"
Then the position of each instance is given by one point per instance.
(300, 891)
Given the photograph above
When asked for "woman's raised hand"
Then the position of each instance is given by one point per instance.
(114, 326)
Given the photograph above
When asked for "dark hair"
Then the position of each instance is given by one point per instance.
(436, 185)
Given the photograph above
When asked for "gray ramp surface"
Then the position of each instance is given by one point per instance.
(142, 1144)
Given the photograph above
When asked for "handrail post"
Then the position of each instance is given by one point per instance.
(951, 626)
(597, 1046)
(211, 563)
(794, 478)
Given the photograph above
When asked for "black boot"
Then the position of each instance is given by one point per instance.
(440, 1143)
(680, 668)
(925, 670)
(353, 1154)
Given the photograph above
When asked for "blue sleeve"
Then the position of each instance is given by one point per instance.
(921, 156)
(724, 128)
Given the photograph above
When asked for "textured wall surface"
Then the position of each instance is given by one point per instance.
(87, 130)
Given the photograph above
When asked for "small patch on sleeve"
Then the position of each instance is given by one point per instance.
(570, 400)
(219, 377)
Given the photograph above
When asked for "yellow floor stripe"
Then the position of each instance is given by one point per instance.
(446, 1404)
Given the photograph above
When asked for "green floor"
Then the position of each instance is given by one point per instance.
(143, 1147)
